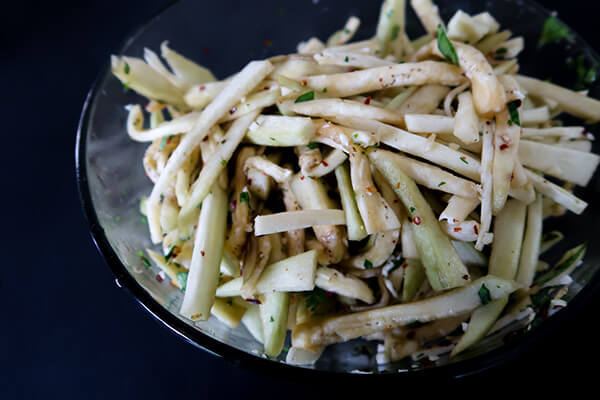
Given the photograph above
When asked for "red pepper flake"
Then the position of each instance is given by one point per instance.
(370, 189)
(405, 265)
(302, 177)
(329, 294)
(417, 220)
(159, 278)
(268, 43)
(202, 252)
(512, 176)
(503, 146)
(325, 163)
(202, 88)
(457, 229)
(476, 229)
(206, 50)
(368, 100)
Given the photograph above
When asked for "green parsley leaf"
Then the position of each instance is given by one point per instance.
(368, 264)
(312, 145)
(500, 51)
(585, 77)
(412, 209)
(554, 31)
(315, 299)
(117, 218)
(271, 319)
(446, 47)
(346, 59)
(144, 259)
(245, 198)
(484, 294)
(169, 254)
(463, 159)
(513, 109)
(441, 184)
(182, 277)
(223, 162)
(306, 97)
(163, 142)
(127, 68)
(324, 90)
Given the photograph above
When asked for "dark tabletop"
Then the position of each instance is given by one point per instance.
(67, 331)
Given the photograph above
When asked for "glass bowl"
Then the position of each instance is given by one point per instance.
(111, 177)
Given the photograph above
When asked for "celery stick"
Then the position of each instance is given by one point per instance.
(227, 312)
(452, 303)
(482, 320)
(279, 130)
(354, 223)
(230, 288)
(274, 316)
(292, 274)
(253, 323)
(414, 275)
(567, 263)
(504, 260)
(531, 243)
(208, 250)
(442, 264)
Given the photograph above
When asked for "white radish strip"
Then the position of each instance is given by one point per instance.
(535, 116)
(459, 208)
(557, 193)
(290, 220)
(427, 123)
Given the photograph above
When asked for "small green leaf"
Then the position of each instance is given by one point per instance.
(223, 162)
(170, 253)
(306, 97)
(554, 31)
(368, 264)
(144, 259)
(271, 319)
(441, 184)
(245, 197)
(312, 145)
(346, 59)
(315, 299)
(446, 47)
(127, 68)
(513, 109)
(484, 294)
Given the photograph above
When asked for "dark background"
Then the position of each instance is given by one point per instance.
(66, 330)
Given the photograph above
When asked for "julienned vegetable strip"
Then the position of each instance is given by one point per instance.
(443, 266)
(239, 86)
(342, 328)
(354, 223)
(208, 250)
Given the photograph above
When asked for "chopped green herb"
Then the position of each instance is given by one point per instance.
(412, 209)
(513, 109)
(182, 279)
(162, 197)
(446, 47)
(324, 90)
(272, 138)
(144, 259)
(397, 264)
(223, 162)
(315, 299)
(127, 69)
(346, 59)
(245, 197)
(585, 77)
(554, 31)
(271, 319)
(117, 218)
(347, 31)
(395, 30)
(441, 183)
(200, 206)
(501, 50)
(306, 97)
(464, 159)
(484, 294)
(169, 254)
(368, 264)
(312, 146)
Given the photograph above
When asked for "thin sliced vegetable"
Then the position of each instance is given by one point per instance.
(290, 220)
(442, 264)
(334, 281)
(227, 312)
(414, 276)
(354, 224)
(564, 266)
(274, 130)
(342, 328)
(530, 251)
(293, 274)
(274, 316)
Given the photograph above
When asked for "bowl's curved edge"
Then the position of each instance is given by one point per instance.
(458, 369)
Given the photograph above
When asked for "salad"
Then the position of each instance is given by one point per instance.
(392, 189)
